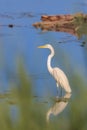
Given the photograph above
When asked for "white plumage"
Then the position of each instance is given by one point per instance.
(57, 73)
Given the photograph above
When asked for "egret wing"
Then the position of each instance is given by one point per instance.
(61, 79)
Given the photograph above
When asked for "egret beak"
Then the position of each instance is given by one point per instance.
(42, 46)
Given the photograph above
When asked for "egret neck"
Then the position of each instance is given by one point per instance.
(49, 60)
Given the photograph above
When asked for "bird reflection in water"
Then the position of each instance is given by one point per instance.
(59, 106)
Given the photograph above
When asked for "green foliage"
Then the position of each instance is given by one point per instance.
(32, 116)
(78, 114)
(81, 24)
(29, 115)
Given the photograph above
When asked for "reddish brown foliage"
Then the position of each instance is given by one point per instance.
(63, 23)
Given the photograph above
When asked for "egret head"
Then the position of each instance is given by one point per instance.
(45, 46)
(49, 47)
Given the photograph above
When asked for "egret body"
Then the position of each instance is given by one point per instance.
(57, 73)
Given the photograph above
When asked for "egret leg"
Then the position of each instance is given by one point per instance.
(61, 91)
(58, 93)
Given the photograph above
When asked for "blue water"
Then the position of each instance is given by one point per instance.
(21, 41)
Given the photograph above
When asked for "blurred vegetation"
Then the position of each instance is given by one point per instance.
(81, 24)
(32, 116)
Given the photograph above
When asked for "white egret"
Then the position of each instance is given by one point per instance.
(57, 73)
